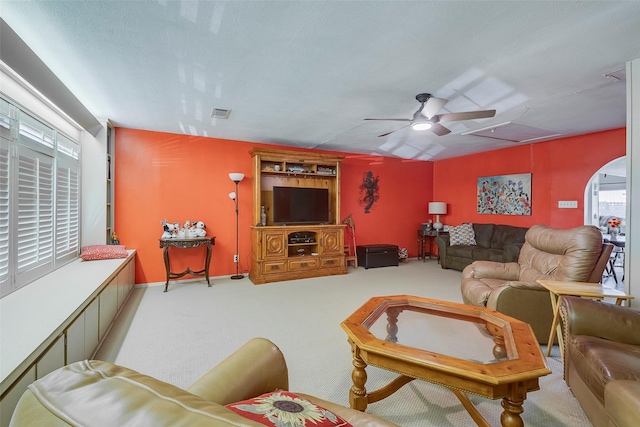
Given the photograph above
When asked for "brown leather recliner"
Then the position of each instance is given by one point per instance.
(573, 255)
(95, 393)
(602, 360)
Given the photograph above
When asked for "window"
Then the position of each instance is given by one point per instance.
(39, 198)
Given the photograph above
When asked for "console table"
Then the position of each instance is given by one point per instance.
(185, 244)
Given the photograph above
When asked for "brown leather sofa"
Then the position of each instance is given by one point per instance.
(95, 393)
(494, 242)
(602, 360)
(572, 255)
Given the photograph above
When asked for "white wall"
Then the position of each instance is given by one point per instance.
(94, 188)
(632, 247)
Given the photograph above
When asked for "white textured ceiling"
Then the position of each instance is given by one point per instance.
(305, 73)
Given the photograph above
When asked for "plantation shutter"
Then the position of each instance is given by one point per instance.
(5, 140)
(39, 198)
(34, 216)
(67, 200)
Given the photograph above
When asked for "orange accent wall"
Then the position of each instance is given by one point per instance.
(405, 188)
(178, 177)
(560, 170)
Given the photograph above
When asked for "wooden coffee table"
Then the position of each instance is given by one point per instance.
(465, 348)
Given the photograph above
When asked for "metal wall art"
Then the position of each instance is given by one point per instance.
(505, 194)
(369, 191)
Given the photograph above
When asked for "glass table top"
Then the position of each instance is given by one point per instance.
(460, 334)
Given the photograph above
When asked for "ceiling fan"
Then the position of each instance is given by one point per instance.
(429, 106)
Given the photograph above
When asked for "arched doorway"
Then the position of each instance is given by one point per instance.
(605, 200)
(605, 194)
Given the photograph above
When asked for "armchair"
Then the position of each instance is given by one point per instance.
(571, 255)
(95, 393)
(602, 360)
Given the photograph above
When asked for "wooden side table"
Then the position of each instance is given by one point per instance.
(424, 237)
(185, 244)
(558, 289)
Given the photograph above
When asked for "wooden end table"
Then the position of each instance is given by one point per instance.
(426, 238)
(558, 289)
(185, 244)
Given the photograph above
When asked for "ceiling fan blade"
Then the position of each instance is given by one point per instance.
(392, 120)
(385, 134)
(432, 106)
(439, 130)
(388, 133)
(467, 115)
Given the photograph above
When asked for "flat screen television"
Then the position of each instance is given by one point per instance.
(295, 205)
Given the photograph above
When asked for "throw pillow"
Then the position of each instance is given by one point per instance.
(94, 252)
(462, 235)
(284, 409)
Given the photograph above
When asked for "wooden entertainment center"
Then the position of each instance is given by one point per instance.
(295, 251)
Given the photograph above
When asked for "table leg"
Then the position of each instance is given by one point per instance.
(358, 392)
(512, 405)
(206, 264)
(499, 348)
(392, 325)
(471, 409)
(555, 306)
(166, 266)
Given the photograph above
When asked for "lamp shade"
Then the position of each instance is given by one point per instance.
(236, 177)
(437, 208)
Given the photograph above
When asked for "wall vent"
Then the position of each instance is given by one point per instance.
(219, 113)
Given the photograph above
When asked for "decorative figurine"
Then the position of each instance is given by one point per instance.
(180, 233)
(263, 216)
(168, 229)
(175, 230)
(114, 239)
(200, 229)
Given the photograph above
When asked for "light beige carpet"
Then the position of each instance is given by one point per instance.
(179, 335)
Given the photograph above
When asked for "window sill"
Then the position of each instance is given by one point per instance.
(32, 317)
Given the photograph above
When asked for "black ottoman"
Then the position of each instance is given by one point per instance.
(377, 255)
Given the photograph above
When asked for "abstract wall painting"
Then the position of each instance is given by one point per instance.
(505, 194)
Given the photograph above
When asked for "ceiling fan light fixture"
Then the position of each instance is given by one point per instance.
(421, 126)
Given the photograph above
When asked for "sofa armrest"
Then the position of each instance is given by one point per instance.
(256, 368)
(444, 239)
(622, 402)
(492, 270)
(443, 242)
(599, 319)
(526, 301)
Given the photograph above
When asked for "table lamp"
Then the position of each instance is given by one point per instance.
(437, 209)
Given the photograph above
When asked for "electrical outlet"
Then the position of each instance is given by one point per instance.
(235, 258)
(567, 204)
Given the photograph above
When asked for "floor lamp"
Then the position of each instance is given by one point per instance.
(236, 177)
